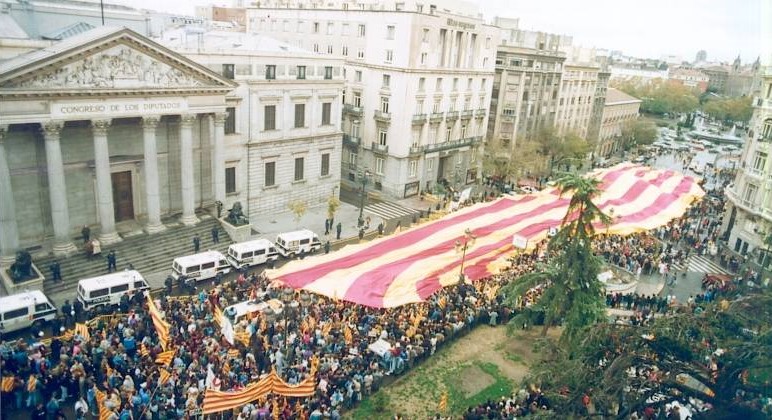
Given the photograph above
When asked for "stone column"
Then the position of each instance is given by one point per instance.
(218, 168)
(57, 189)
(9, 232)
(104, 183)
(186, 168)
(153, 198)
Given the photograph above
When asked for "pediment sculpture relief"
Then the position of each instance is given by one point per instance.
(117, 67)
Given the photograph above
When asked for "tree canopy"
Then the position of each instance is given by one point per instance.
(661, 97)
(638, 132)
(729, 109)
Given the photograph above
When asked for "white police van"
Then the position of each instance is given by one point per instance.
(105, 291)
(25, 309)
(247, 254)
(201, 266)
(294, 243)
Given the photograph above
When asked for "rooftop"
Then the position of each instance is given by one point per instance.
(616, 96)
(197, 39)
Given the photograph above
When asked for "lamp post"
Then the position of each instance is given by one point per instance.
(361, 220)
(468, 241)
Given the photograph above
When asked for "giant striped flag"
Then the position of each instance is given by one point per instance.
(161, 326)
(411, 266)
(216, 401)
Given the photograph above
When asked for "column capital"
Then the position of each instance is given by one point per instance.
(150, 122)
(100, 127)
(219, 118)
(187, 120)
(51, 129)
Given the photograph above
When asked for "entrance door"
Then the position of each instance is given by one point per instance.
(123, 202)
(441, 168)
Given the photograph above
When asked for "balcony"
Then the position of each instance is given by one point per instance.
(419, 119)
(351, 141)
(452, 115)
(467, 114)
(480, 113)
(382, 116)
(505, 118)
(416, 149)
(378, 148)
(455, 144)
(353, 110)
(436, 117)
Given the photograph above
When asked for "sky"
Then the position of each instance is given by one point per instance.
(641, 28)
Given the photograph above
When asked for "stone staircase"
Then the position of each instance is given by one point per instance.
(147, 253)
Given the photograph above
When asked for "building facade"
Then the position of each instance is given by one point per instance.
(599, 102)
(748, 218)
(690, 78)
(418, 86)
(577, 90)
(283, 133)
(526, 87)
(104, 127)
(618, 110)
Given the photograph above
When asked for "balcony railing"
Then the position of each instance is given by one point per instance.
(480, 113)
(353, 110)
(436, 117)
(377, 147)
(452, 115)
(382, 116)
(416, 149)
(350, 140)
(467, 114)
(419, 118)
(455, 144)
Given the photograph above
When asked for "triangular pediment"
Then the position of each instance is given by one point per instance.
(121, 60)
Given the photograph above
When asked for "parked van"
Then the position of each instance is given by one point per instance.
(107, 290)
(247, 254)
(24, 310)
(293, 243)
(201, 266)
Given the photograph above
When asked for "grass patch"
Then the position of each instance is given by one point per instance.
(376, 406)
(502, 386)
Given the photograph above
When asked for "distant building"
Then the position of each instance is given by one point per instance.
(577, 90)
(701, 57)
(690, 78)
(618, 110)
(748, 216)
(717, 77)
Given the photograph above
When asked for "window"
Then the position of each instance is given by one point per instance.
(230, 180)
(299, 166)
(227, 71)
(425, 36)
(438, 85)
(358, 99)
(421, 83)
(316, 27)
(330, 28)
(301, 72)
(352, 158)
(385, 104)
(379, 166)
(119, 288)
(463, 131)
(361, 30)
(358, 75)
(424, 57)
(269, 115)
(473, 157)
(390, 31)
(17, 313)
(419, 106)
(355, 128)
(429, 164)
(389, 56)
(300, 28)
(483, 83)
(326, 111)
(316, 48)
(759, 161)
(382, 138)
(386, 80)
(750, 194)
(96, 294)
(329, 49)
(325, 164)
(344, 51)
(300, 115)
(360, 54)
(230, 120)
(270, 72)
(413, 170)
(328, 72)
(285, 26)
(270, 174)
(436, 106)
(488, 42)
(448, 132)
(345, 29)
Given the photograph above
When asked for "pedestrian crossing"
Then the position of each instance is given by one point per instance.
(700, 264)
(387, 211)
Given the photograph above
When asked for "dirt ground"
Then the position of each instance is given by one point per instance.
(416, 394)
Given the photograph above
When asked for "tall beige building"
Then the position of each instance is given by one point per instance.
(577, 90)
(526, 88)
(618, 110)
(748, 216)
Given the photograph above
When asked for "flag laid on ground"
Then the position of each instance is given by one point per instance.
(411, 266)
(161, 326)
(442, 407)
(165, 358)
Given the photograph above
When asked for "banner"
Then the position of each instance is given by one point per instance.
(161, 326)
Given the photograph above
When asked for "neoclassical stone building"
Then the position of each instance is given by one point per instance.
(105, 127)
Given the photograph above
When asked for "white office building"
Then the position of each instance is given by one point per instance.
(418, 85)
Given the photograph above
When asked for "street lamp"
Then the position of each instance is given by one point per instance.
(468, 241)
(361, 220)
